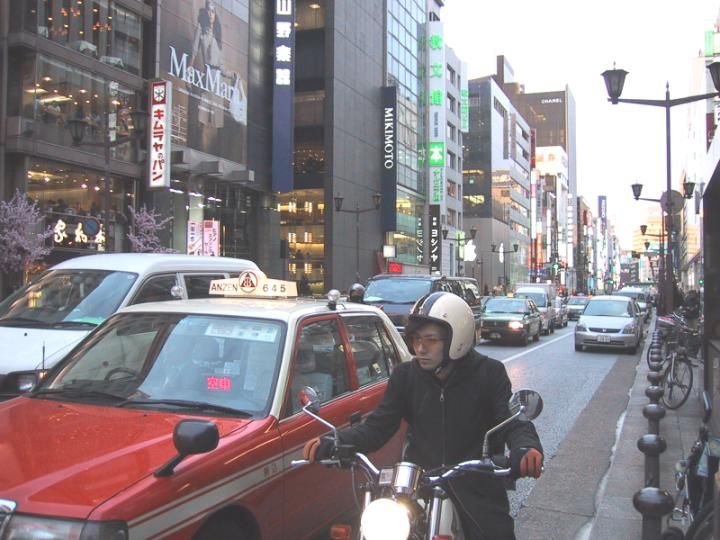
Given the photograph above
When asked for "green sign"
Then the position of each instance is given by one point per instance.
(436, 154)
(464, 111)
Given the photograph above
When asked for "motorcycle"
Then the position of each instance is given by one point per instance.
(404, 501)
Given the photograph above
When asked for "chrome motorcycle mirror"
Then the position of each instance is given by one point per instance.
(309, 399)
(528, 403)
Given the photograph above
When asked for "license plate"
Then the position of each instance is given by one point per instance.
(495, 335)
(604, 339)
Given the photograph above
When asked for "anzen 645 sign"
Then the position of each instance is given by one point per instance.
(160, 107)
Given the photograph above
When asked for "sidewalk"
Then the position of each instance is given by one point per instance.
(601, 451)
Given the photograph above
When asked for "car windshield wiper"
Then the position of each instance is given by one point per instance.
(22, 321)
(75, 392)
(74, 324)
(188, 404)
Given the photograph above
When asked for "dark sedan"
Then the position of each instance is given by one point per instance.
(510, 319)
(575, 306)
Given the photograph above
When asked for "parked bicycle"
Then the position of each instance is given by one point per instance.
(694, 488)
(677, 378)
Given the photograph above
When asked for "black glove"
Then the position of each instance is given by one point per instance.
(526, 462)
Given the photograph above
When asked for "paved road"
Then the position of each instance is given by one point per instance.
(567, 380)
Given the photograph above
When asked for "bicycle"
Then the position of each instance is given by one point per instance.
(677, 378)
(694, 488)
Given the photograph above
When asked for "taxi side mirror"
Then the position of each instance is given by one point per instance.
(190, 437)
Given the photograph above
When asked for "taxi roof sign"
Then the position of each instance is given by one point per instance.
(253, 284)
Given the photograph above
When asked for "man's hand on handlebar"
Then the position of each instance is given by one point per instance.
(526, 462)
(318, 449)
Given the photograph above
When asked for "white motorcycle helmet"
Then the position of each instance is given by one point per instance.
(451, 312)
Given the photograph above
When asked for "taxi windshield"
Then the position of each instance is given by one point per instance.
(505, 305)
(68, 298)
(162, 360)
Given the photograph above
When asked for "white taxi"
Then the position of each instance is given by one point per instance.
(180, 419)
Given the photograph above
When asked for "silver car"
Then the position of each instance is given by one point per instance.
(640, 297)
(610, 322)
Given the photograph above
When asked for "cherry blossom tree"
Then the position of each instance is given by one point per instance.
(23, 240)
(144, 229)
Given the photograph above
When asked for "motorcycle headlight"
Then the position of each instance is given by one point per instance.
(515, 325)
(32, 528)
(385, 519)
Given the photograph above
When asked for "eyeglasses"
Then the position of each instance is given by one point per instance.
(425, 341)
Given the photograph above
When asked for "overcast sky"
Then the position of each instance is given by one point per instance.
(554, 43)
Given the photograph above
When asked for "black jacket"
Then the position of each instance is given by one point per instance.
(447, 421)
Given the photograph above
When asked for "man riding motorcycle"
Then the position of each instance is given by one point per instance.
(450, 395)
(356, 293)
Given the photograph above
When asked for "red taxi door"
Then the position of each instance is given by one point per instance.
(316, 495)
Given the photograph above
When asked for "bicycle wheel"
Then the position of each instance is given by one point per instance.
(702, 526)
(677, 382)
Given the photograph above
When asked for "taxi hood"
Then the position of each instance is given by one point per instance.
(23, 347)
(66, 458)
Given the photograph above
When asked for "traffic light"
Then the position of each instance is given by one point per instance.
(701, 281)
(556, 267)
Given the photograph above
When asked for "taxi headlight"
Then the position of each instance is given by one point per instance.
(35, 528)
(515, 325)
(385, 519)
(26, 381)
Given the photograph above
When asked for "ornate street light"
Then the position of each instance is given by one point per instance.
(338, 199)
(614, 82)
(688, 189)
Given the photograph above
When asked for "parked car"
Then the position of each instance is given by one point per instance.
(42, 321)
(575, 306)
(640, 296)
(609, 322)
(180, 419)
(561, 312)
(397, 293)
(511, 319)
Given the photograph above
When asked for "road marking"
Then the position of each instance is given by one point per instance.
(506, 360)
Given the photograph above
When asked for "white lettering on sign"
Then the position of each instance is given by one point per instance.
(389, 138)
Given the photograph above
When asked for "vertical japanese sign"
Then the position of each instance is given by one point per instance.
(388, 210)
(435, 238)
(211, 237)
(602, 211)
(436, 112)
(464, 100)
(194, 238)
(283, 95)
(159, 162)
(419, 237)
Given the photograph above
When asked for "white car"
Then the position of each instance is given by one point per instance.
(640, 296)
(42, 321)
(609, 322)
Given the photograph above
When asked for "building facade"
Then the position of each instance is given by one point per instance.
(497, 184)
(77, 137)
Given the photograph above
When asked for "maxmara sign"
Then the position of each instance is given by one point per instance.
(209, 80)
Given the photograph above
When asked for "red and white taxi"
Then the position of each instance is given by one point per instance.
(180, 420)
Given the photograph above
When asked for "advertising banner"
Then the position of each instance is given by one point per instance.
(194, 238)
(283, 139)
(203, 52)
(435, 239)
(389, 159)
(160, 107)
(211, 237)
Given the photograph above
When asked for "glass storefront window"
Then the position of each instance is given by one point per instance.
(74, 202)
(54, 92)
(97, 28)
(302, 224)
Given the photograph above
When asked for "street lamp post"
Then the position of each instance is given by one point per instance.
(504, 252)
(614, 82)
(79, 125)
(357, 211)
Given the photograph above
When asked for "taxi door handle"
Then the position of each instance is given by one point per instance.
(355, 418)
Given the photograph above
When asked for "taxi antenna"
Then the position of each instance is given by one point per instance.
(43, 356)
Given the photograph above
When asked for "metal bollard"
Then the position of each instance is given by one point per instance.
(653, 504)
(652, 445)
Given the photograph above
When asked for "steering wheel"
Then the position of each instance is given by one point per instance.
(128, 371)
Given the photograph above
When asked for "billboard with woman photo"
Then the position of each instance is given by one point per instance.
(204, 52)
